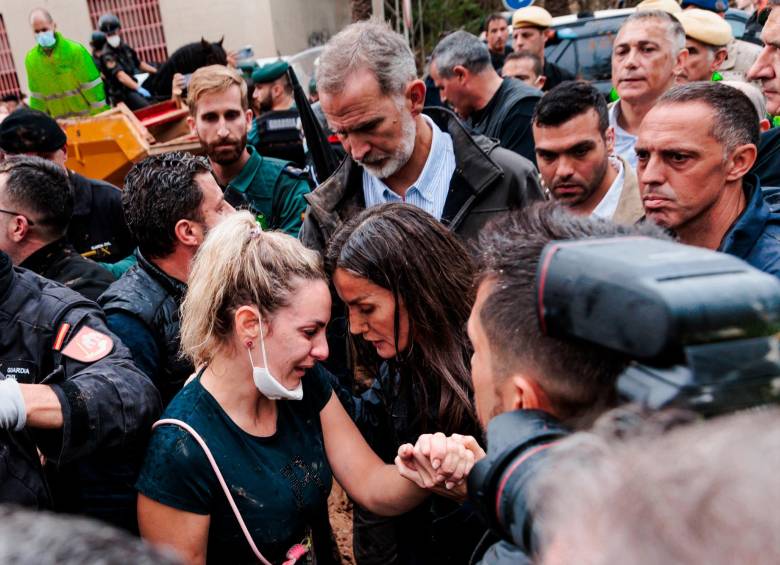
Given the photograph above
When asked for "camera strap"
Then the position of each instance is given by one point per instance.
(294, 554)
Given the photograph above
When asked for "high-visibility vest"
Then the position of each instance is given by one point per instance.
(65, 81)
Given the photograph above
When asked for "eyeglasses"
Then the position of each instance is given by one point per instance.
(29, 221)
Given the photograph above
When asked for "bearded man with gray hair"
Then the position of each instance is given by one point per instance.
(373, 101)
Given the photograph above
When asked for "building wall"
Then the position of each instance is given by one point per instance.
(270, 26)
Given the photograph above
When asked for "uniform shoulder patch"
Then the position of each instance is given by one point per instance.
(88, 346)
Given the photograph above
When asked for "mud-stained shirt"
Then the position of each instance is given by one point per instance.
(280, 483)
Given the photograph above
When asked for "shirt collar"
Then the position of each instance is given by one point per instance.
(425, 183)
(748, 227)
(244, 179)
(609, 203)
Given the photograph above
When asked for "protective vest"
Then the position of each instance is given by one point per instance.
(279, 136)
(154, 298)
(65, 82)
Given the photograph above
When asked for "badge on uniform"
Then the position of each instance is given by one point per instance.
(88, 346)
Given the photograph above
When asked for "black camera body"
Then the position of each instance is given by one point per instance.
(698, 325)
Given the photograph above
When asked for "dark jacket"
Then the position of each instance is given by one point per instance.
(439, 530)
(488, 180)
(755, 235)
(98, 229)
(555, 75)
(59, 262)
(151, 298)
(767, 165)
(507, 117)
(108, 404)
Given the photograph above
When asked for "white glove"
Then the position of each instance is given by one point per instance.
(13, 413)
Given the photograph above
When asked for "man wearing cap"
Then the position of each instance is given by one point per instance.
(495, 107)
(120, 63)
(271, 189)
(275, 131)
(61, 75)
(97, 229)
(707, 36)
(648, 52)
(37, 203)
(530, 31)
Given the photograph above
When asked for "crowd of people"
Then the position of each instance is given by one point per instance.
(194, 358)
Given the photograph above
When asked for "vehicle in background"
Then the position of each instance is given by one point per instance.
(582, 43)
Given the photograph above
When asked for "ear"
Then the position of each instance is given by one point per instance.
(764, 125)
(221, 40)
(720, 56)
(679, 64)
(522, 392)
(460, 72)
(609, 137)
(191, 124)
(539, 82)
(741, 161)
(189, 233)
(548, 34)
(18, 228)
(415, 93)
(246, 324)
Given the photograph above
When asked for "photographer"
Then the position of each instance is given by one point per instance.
(559, 384)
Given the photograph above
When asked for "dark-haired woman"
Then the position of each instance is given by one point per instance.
(407, 284)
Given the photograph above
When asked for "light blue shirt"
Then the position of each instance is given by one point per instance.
(624, 141)
(429, 191)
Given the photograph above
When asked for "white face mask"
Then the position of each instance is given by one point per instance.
(114, 40)
(266, 383)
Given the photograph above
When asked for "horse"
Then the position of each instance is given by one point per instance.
(185, 60)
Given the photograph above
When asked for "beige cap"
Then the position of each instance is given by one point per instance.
(532, 16)
(705, 26)
(668, 6)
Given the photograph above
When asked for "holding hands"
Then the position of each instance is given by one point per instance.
(439, 463)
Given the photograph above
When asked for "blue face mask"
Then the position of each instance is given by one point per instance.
(46, 39)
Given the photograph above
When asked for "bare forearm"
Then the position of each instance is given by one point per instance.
(387, 493)
(43, 407)
(147, 68)
(126, 80)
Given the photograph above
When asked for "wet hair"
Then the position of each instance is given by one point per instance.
(460, 48)
(569, 100)
(238, 265)
(370, 45)
(40, 190)
(215, 78)
(535, 60)
(159, 191)
(495, 16)
(577, 377)
(734, 115)
(406, 251)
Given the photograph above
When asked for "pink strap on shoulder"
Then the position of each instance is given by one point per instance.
(221, 479)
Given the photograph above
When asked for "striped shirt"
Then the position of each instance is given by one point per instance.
(429, 191)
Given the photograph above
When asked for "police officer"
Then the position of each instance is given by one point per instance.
(276, 130)
(219, 115)
(70, 392)
(707, 36)
(120, 63)
(530, 32)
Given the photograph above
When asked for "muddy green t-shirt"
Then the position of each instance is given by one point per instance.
(279, 482)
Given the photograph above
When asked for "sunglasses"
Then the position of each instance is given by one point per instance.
(29, 221)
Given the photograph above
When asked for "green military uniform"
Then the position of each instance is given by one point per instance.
(274, 191)
(64, 80)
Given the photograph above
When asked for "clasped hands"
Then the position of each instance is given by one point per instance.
(439, 463)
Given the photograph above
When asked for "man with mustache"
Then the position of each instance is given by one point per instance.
(272, 189)
(649, 51)
(574, 152)
(373, 100)
(695, 149)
